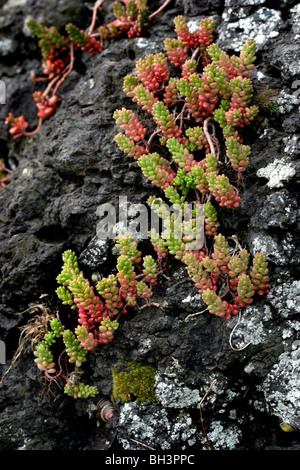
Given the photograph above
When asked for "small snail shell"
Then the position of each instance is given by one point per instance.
(286, 427)
(96, 277)
(106, 409)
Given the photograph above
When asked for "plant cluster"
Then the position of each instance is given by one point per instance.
(205, 107)
(97, 310)
(59, 52)
(199, 119)
(132, 16)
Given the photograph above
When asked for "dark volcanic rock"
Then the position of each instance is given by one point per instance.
(62, 175)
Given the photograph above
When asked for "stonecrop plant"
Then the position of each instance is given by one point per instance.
(59, 52)
(195, 155)
(97, 311)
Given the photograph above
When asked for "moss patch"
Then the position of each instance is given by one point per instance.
(132, 381)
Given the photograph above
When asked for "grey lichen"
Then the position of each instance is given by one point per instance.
(95, 254)
(295, 20)
(261, 26)
(252, 328)
(281, 389)
(154, 428)
(7, 46)
(286, 101)
(278, 172)
(223, 437)
(292, 143)
(171, 393)
(285, 297)
(279, 251)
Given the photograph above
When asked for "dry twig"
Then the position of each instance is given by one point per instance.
(201, 417)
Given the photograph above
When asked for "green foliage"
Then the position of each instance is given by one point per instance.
(76, 353)
(50, 40)
(132, 16)
(59, 53)
(44, 357)
(84, 41)
(80, 390)
(76, 35)
(198, 114)
(95, 318)
(107, 329)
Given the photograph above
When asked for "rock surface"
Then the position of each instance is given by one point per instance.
(72, 166)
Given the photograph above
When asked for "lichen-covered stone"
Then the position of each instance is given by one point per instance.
(281, 389)
(154, 427)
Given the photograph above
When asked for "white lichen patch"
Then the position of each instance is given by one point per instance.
(279, 251)
(291, 327)
(266, 244)
(99, 248)
(281, 389)
(91, 83)
(145, 346)
(137, 428)
(295, 18)
(149, 45)
(217, 384)
(223, 437)
(191, 298)
(173, 394)
(251, 2)
(260, 26)
(286, 101)
(279, 209)
(154, 429)
(95, 255)
(292, 144)
(194, 24)
(7, 46)
(278, 173)
(285, 297)
(258, 405)
(260, 75)
(142, 43)
(252, 327)
(183, 431)
(287, 59)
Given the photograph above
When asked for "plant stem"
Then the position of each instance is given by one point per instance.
(211, 138)
(52, 377)
(70, 68)
(30, 134)
(159, 9)
(195, 53)
(3, 168)
(201, 417)
(45, 93)
(94, 18)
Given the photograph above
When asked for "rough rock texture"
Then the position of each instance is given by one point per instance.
(71, 167)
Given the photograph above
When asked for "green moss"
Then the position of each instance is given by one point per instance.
(273, 108)
(132, 380)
